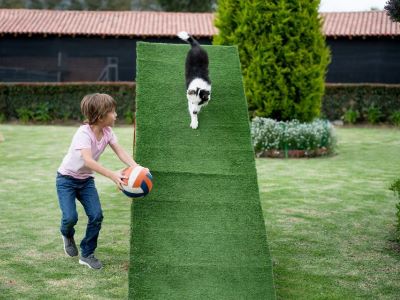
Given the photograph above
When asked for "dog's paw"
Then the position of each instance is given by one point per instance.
(194, 124)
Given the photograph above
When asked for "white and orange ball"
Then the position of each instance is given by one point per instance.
(138, 182)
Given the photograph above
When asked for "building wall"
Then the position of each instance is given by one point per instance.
(70, 59)
(370, 60)
(63, 59)
(41, 58)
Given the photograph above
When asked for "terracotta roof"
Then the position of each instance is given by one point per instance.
(164, 24)
(107, 23)
(370, 23)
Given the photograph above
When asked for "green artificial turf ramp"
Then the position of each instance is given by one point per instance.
(200, 233)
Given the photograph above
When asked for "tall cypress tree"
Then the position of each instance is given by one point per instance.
(283, 54)
(227, 21)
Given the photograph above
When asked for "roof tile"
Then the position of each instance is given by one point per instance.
(167, 24)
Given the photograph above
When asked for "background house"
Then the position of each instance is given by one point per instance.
(60, 46)
(365, 47)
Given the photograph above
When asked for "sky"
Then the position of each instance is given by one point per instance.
(350, 5)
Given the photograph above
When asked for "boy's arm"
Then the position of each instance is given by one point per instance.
(95, 166)
(123, 155)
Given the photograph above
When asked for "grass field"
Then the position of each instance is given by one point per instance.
(329, 221)
(32, 262)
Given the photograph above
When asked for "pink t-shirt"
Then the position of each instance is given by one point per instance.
(73, 163)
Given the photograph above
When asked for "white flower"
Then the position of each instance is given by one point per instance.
(268, 134)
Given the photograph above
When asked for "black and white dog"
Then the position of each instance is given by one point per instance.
(198, 83)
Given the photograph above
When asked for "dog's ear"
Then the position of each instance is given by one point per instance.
(191, 92)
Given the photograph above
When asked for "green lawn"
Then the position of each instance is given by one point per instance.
(329, 221)
(32, 261)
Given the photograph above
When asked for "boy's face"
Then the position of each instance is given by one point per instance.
(109, 119)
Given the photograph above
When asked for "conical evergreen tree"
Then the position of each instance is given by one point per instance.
(227, 21)
(283, 54)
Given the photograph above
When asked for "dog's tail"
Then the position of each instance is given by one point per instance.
(183, 35)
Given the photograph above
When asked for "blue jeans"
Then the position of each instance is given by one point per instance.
(69, 189)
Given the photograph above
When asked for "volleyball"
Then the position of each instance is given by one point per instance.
(138, 182)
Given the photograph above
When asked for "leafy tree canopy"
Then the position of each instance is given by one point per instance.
(164, 5)
(187, 5)
(392, 8)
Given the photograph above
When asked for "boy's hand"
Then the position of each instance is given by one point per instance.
(117, 178)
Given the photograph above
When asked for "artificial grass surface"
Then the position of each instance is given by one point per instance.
(200, 234)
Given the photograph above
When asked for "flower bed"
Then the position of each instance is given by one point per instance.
(292, 139)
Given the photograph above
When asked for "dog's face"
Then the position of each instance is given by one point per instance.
(198, 98)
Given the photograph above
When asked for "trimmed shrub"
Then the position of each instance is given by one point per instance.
(395, 187)
(46, 102)
(313, 138)
(374, 114)
(361, 102)
(351, 116)
(283, 54)
(395, 118)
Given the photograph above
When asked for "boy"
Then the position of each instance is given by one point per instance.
(75, 177)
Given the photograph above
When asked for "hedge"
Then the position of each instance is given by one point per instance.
(363, 100)
(60, 101)
(44, 102)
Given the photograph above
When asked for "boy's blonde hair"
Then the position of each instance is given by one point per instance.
(96, 106)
